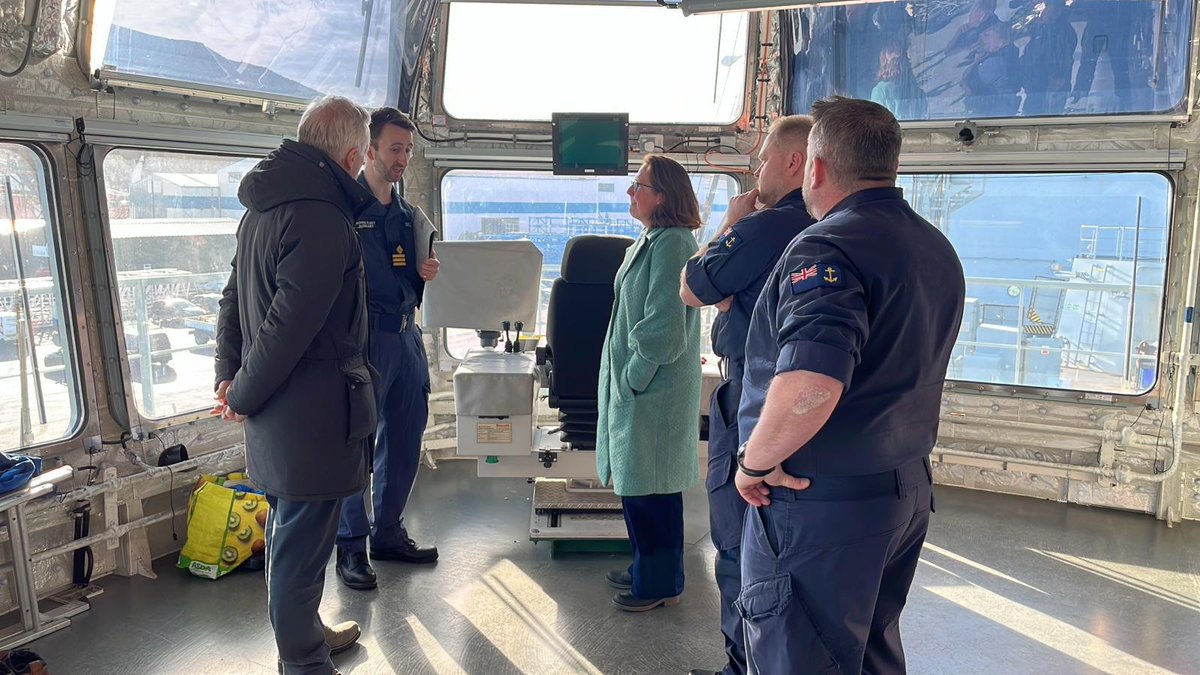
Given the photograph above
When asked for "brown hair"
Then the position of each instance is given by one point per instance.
(858, 140)
(889, 65)
(381, 117)
(679, 207)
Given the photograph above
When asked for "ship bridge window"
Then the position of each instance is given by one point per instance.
(549, 210)
(39, 383)
(278, 50)
(523, 62)
(1064, 274)
(929, 59)
(173, 219)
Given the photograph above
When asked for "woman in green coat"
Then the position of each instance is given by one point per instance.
(649, 393)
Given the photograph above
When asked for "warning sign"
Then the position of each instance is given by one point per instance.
(493, 432)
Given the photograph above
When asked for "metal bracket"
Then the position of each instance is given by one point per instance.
(1108, 449)
(111, 503)
(547, 457)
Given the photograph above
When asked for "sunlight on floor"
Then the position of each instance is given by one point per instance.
(931, 548)
(1042, 628)
(512, 611)
(440, 661)
(1145, 579)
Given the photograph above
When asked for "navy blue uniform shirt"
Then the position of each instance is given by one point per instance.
(872, 295)
(738, 264)
(385, 234)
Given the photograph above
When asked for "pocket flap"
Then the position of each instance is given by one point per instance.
(361, 414)
(358, 374)
(719, 467)
(765, 598)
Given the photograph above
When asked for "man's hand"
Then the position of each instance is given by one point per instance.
(741, 206)
(221, 407)
(430, 267)
(756, 491)
(724, 305)
(229, 416)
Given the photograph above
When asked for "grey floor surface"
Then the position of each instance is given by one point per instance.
(1006, 585)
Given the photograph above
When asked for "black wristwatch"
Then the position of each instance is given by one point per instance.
(753, 473)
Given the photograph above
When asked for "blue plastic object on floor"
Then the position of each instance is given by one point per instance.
(16, 470)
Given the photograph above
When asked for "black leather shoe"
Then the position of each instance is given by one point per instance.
(407, 552)
(701, 671)
(621, 580)
(354, 570)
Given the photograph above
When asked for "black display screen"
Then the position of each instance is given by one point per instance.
(591, 144)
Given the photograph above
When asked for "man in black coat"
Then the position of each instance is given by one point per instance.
(291, 359)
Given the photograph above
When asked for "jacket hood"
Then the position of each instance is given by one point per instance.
(295, 172)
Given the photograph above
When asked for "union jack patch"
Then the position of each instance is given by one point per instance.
(808, 277)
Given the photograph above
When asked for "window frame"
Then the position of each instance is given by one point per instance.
(1165, 164)
(105, 76)
(120, 136)
(470, 124)
(41, 137)
(448, 360)
(1187, 102)
(1088, 396)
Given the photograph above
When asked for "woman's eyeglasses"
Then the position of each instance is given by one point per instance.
(635, 186)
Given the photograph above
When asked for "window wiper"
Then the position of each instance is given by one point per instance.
(368, 7)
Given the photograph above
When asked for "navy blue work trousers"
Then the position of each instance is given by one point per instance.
(655, 524)
(300, 539)
(726, 511)
(826, 572)
(402, 397)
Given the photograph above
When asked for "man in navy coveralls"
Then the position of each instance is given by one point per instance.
(390, 239)
(729, 273)
(845, 364)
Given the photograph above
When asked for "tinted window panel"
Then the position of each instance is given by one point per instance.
(983, 59)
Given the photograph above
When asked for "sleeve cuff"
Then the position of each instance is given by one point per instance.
(818, 358)
(639, 372)
(701, 286)
(231, 399)
(224, 372)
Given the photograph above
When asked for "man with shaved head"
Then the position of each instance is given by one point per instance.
(729, 273)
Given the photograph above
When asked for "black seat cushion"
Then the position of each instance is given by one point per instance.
(576, 321)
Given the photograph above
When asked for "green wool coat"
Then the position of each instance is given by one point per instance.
(649, 394)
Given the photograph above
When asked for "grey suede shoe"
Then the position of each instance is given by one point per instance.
(342, 636)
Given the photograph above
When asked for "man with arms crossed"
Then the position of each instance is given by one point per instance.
(730, 273)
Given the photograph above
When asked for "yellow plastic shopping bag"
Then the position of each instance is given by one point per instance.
(226, 526)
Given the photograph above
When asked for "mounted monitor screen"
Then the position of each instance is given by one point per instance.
(591, 144)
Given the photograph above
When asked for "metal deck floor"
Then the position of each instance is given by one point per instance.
(1006, 585)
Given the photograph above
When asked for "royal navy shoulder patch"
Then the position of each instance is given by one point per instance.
(812, 275)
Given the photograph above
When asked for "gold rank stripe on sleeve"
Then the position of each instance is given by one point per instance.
(398, 258)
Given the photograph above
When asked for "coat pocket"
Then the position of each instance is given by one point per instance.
(360, 393)
(623, 392)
